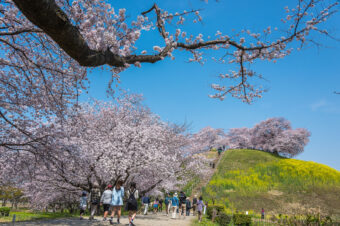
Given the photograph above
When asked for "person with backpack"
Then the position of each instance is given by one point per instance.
(200, 206)
(146, 203)
(219, 151)
(167, 202)
(94, 199)
(117, 201)
(182, 200)
(131, 204)
(187, 206)
(160, 206)
(174, 205)
(194, 205)
(83, 204)
(106, 199)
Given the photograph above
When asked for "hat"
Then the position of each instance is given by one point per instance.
(109, 186)
(175, 194)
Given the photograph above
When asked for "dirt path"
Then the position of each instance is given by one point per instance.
(141, 220)
(215, 158)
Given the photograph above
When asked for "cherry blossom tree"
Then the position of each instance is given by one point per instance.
(264, 134)
(272, 135)
(239, 138)
(103, 143)
(94, 34)
(49, 46)
(206, 139)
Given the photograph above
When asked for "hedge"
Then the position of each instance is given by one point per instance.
(4, 211)
(242, 219)
(223, 219)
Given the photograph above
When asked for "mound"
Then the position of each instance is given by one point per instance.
(251, 180)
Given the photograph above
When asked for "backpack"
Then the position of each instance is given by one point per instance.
(182, 198)
(188, 204)
(132, 202)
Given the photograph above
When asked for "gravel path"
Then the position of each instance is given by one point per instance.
(141, 220)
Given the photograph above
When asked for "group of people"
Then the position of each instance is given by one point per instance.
(113, 199)
(176, 204)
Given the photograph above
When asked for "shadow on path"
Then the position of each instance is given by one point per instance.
(141, 220)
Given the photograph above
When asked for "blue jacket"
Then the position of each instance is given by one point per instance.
(117, 197)
(167, 200)
(146, 200)
(175, 201)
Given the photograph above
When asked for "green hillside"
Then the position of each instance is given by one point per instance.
(251, 180)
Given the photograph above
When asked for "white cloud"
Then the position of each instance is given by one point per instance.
(325, 106)
(318, 105)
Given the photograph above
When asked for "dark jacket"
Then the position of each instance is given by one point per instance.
(188, 204)
(182, 198)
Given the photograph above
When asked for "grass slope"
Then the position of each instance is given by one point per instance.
(251, 180)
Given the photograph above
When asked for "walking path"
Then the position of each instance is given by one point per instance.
(141, 220)
(197, 190)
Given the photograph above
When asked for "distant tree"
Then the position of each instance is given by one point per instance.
(273, 135)
(239, 138)
(292, 142)
(264, 134)
(207, 138)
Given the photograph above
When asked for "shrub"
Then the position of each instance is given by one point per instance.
(4, 211)
(210, 208)
(241, 219)
(223, 219)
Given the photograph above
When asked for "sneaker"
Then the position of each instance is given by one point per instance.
(104, 219)
(111, 222)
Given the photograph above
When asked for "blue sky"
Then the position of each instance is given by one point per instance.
(300, 86)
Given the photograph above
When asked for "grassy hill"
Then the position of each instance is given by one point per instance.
(251, 180)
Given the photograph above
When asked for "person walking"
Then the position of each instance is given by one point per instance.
(167, 202)
(219, 151)
(194, 205)
(182, 200)
(200, 206)
(146, 203)
(174, 204)
(160, 206)
(106, 199)
(132, 204)
(155, 206)
(187, 206)
(95, 200)
(262, 214)
(83, 204)
(117, 201)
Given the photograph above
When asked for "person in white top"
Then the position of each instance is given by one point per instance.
(106, 200)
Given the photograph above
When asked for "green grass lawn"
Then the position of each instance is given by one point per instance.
(25, 215)
(205, 222)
